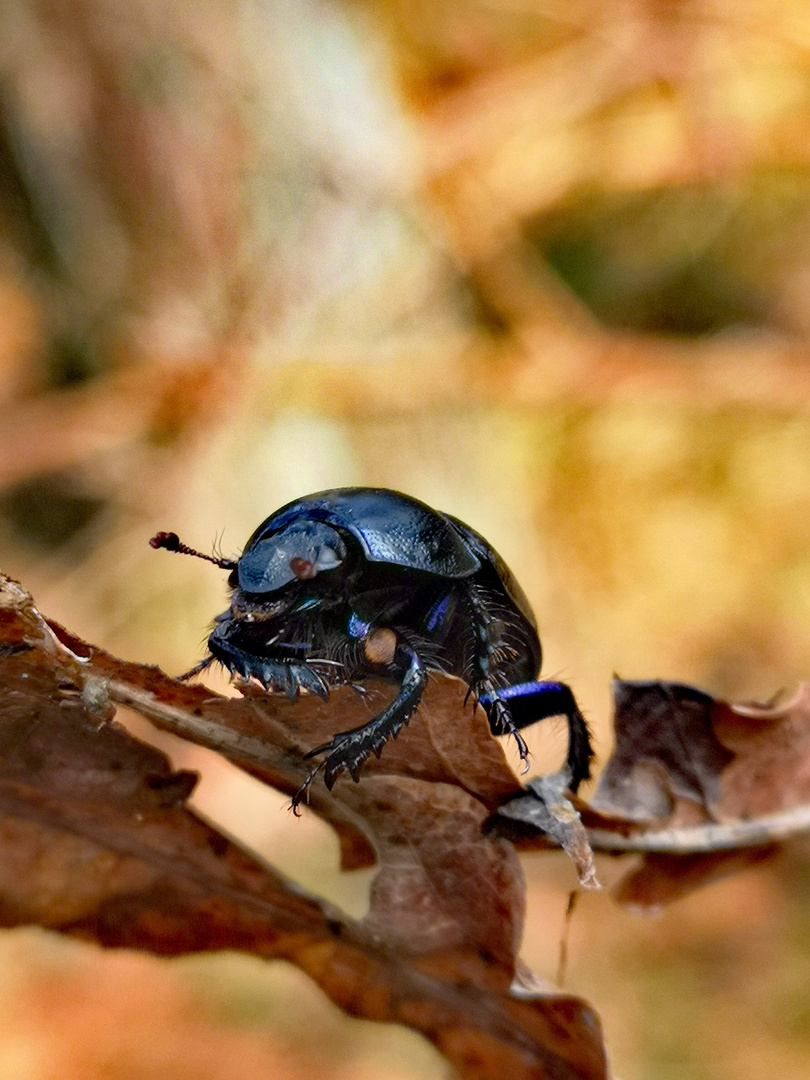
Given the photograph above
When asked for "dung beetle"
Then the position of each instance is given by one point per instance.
(359, 582)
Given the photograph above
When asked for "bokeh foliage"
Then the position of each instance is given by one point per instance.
(544, 266)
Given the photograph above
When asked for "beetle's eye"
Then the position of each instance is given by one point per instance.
(296, 553)
(302, 568)
(233, 579)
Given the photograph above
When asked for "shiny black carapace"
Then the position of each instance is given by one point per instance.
(359, 582)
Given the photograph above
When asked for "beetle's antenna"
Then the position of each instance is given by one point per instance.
(171, 542)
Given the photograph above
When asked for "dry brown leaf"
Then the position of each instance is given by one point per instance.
(442, 883)
(709, 787)
(542, 815)
(683, 758)
(97, 842)
(666, 750)
(699, 787)
(660, 879)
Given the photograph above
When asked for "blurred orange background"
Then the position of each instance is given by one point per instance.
(544, 266)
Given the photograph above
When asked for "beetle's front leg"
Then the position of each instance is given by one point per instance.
(274, 673)
(350, 749)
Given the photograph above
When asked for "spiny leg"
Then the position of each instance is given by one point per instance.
(282, 674)
(525, 703)
(350, 749)
(489, 648)
(500, 721)
(289, 677)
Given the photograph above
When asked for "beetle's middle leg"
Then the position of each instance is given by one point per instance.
(350, 749)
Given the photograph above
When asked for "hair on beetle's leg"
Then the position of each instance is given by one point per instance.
(558, 700)
(488, 650)
(580, 748)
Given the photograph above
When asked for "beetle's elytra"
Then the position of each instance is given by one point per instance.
(354, 582)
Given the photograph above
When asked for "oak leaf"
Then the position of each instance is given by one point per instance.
(97, 841)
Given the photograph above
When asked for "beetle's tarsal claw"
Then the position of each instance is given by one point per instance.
(266, 676)
(311, 681)
(348, 751)
(523, 749)
(303, 791)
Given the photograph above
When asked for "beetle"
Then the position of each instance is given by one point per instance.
(357, 582)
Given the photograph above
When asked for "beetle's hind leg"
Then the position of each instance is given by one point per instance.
(348, 750)
(510, 708)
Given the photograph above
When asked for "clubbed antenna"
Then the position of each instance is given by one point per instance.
(171, 542)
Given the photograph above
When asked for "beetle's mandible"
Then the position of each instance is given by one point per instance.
(355, 582)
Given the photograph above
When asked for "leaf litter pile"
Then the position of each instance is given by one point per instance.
(98, 842)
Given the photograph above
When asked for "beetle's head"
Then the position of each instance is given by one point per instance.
(298, 552)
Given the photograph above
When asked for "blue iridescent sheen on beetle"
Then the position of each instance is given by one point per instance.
(360, 582)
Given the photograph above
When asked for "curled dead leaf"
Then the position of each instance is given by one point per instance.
(97, 841)
(700, 787)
